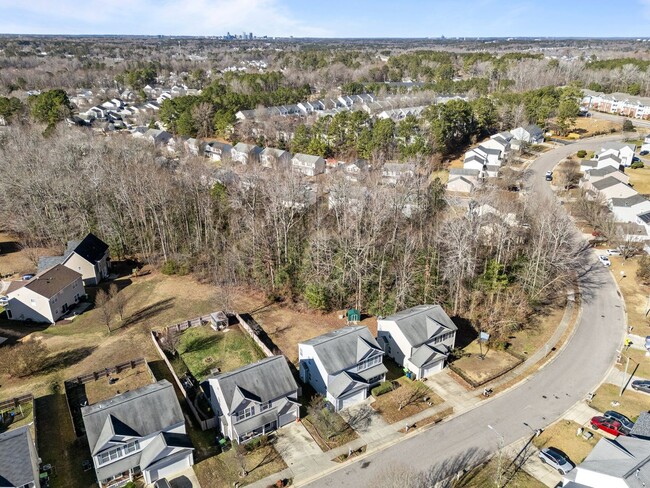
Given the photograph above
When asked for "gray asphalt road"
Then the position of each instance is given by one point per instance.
(538, 401)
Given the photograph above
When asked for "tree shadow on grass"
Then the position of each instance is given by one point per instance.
(201, 343)
(148, 312)
(65, 359)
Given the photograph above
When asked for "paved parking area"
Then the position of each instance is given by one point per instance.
(299, 450)
(183, 479)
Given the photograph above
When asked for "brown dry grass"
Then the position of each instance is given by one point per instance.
(562, 435)
(640, 179)
(634, 293)
(631, 404)
(131, 379)
(637, 357)
(588, 126)
(433, 419)
(16, 260)
(478, 370)
(388, 405)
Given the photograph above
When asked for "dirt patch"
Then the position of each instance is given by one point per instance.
(563, 435)
(345, 435)
(127, 380)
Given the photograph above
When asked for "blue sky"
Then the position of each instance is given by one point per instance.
(331, 18)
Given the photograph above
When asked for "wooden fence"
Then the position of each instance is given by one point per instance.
(204, 423)
(95, 375)
(218, 319)
(261, 338)
(16, 402)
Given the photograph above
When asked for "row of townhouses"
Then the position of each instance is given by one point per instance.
(617, 103)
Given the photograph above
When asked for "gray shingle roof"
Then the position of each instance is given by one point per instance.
(161, 446)
(464, 171)
(343, 348)
(629, 201)
(91, 248)
(306, 158)
(588, 163)
(46, 262)
(624, 458)
(607, 183)
(143, 411)
(421, 323)
(50, 282)
(17, 466)
(641, 427)
(426, 354)
(607, 170)
(262, 381)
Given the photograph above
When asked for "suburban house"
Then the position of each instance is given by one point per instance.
(462, 180)
(342, 365)
(607, 160)
(308, 164)
(89, 256)
(474, 161)
(140, 432)
(623, 462)
(419, 338)
(218, 151)
(255, 399)
(275, 158)
(531, 133)
(19, 461)
(46, 297)
(356, 170)
(610, 187)
(593, 175)
(500, 141)
(492, 155)
(617, 103)
(627, 209)
(392, 172)
(641, 428)
(245, 153)
(624, 152)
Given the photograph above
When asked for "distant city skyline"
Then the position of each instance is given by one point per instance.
(335, 18)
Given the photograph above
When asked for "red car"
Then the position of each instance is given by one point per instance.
(610, 426)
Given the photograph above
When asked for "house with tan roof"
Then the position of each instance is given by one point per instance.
(46, 297)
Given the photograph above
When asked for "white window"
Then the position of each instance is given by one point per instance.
(131, 447)
(265, 406)
(244, 414)
(368, 363)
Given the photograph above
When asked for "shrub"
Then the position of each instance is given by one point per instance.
(637, 165)
(316, 296)
(582, 153)
(384, 387)
(169, 267)
(628, 126)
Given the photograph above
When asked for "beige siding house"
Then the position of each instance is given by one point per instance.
(90, 257)
(46, 297)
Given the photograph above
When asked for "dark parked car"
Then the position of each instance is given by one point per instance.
(610, 426)
(641, 385)
(644, 153)
(625, 422)
(556, 459)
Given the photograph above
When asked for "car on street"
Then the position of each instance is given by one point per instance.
(635, 159)
(549, 176)
(605, 260)
(644, 153)
(613, 252)
(625, 422)
(27, 277)
(556, 459)
(610, 426)
(641, 385)
(647, 343)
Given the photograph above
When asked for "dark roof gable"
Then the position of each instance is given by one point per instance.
(91, 248)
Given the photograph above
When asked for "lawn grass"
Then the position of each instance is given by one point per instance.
(631, 404)
(203, 349)
(59, 446)
(637, 357)
(387, 405)
(24, 415)
(635, 294)
(639, 179)
(222, 471)
(127, 380)
(562, 435)
(479, 370)
(485, 475)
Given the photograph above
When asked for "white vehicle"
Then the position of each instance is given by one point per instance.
(605, 260)
(613, 252)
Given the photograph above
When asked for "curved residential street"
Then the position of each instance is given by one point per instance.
(538, 401)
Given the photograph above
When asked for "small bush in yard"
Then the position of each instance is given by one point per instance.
(384, 387)
(637, 165)
(582, 153)
(169, 267)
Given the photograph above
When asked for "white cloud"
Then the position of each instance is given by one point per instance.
(180, 17)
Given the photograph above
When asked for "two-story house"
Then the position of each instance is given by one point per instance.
(254, 400)
(419, 338)
(46, 297)
(308, 164)
(393, 172)
(138, 433)
(245, 153)
(218, 151)
(19, 461)
(89, 256)
(271, 157)
(342, 365)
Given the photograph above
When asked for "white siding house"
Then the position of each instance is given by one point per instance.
(419, 338)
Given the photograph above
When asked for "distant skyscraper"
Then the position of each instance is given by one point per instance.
(250, 36)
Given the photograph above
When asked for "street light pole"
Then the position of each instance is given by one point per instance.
(500, 444)
(627, 363)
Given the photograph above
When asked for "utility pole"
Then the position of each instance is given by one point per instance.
(500, 444)
(627, 363)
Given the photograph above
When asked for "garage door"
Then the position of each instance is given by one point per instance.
(350, 400)
(432, 368)
(168, 471)
(287, 418)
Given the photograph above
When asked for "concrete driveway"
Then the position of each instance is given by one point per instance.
(544, 397)
(300, 451)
